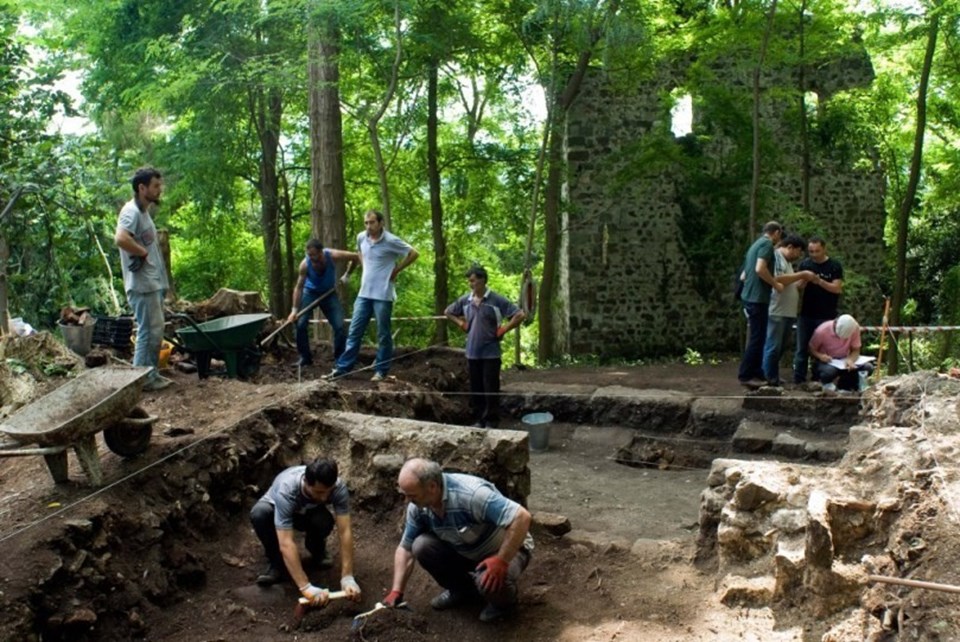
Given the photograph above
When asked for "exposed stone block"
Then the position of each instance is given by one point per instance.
(753, 592)
(788, 445)
(552, 523)
(753, 437)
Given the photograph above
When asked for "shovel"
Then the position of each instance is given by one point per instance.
(343, 279)
(361, 620)
(302, 312)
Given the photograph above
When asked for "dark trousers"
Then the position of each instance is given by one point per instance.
(751, 366)
(331, 309)
(845, 379)
(485, 391)
(316, 523)
(457, 573)
(801, 358)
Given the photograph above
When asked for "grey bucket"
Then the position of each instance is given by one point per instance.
(538, 428)
(78, 338)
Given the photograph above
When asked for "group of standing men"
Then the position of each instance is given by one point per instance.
(483, 314)
(480, 313)
(775, 297)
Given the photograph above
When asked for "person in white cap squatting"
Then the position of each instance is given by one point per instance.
(839, 340)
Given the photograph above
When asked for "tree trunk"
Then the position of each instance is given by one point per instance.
(547, 347)
(4, 291)
(558, 104)
(906, 205)
(373, 123)
(327, 191)
(267, 111)
(440, 290)
(163, 239)
(290, 252)
(755, 182)
(804, 125)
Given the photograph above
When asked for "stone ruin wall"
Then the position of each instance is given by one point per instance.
(627, 287)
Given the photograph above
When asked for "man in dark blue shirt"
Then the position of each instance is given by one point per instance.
(318, 278)
(480, 313)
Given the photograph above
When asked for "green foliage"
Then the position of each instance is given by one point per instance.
(180, 85)
(216, 251)
(692, 358)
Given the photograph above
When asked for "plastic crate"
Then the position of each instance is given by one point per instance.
(113, 331)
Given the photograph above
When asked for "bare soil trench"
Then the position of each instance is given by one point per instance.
(165, 551)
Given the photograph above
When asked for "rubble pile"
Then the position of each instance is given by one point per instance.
(789, 536)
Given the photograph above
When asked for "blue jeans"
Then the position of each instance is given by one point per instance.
(778, 330)
(751, 366)
(363, 310)
(801, 359)
(333, 311)
(148, 310)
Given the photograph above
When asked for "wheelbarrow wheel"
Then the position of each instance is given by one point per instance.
(130, 436)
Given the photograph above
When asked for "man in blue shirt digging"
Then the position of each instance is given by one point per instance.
(473, 541)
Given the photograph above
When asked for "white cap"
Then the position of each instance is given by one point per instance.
(845, 326)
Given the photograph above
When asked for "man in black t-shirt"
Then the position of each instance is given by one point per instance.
(818, 300)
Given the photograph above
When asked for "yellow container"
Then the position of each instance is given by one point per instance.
(165, 349)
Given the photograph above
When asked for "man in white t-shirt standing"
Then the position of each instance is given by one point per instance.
(383, 256)
(783, 305)
(144, 273)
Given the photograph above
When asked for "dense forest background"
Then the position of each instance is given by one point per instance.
(277, 120)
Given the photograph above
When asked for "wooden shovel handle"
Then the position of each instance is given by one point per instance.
(334, 595)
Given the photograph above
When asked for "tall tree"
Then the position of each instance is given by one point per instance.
(327, 194)
(755, 114)
(910, 194)
(561, 85)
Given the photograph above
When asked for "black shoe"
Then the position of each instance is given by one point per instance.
(272, 575)
(449, 599)
(492, 612)
(753, 384)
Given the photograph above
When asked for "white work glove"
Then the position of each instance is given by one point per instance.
(317, 596)
(350, 586)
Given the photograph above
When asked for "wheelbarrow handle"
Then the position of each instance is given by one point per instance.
(300, 313)
(196, 326)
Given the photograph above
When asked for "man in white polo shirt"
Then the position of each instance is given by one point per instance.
(383, 256)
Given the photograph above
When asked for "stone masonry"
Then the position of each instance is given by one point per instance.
(649, 244)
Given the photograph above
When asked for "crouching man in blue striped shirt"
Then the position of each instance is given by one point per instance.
(473, 541)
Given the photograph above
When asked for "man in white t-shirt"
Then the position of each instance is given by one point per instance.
(144, 273)
(383, 256)
(783, 305)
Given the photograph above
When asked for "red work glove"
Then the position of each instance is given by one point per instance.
(495, 575)
(393, 599)
(502, 330)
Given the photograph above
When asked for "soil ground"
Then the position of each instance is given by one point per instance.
(586, 586)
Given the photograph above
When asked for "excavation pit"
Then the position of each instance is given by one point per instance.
(169, 554)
